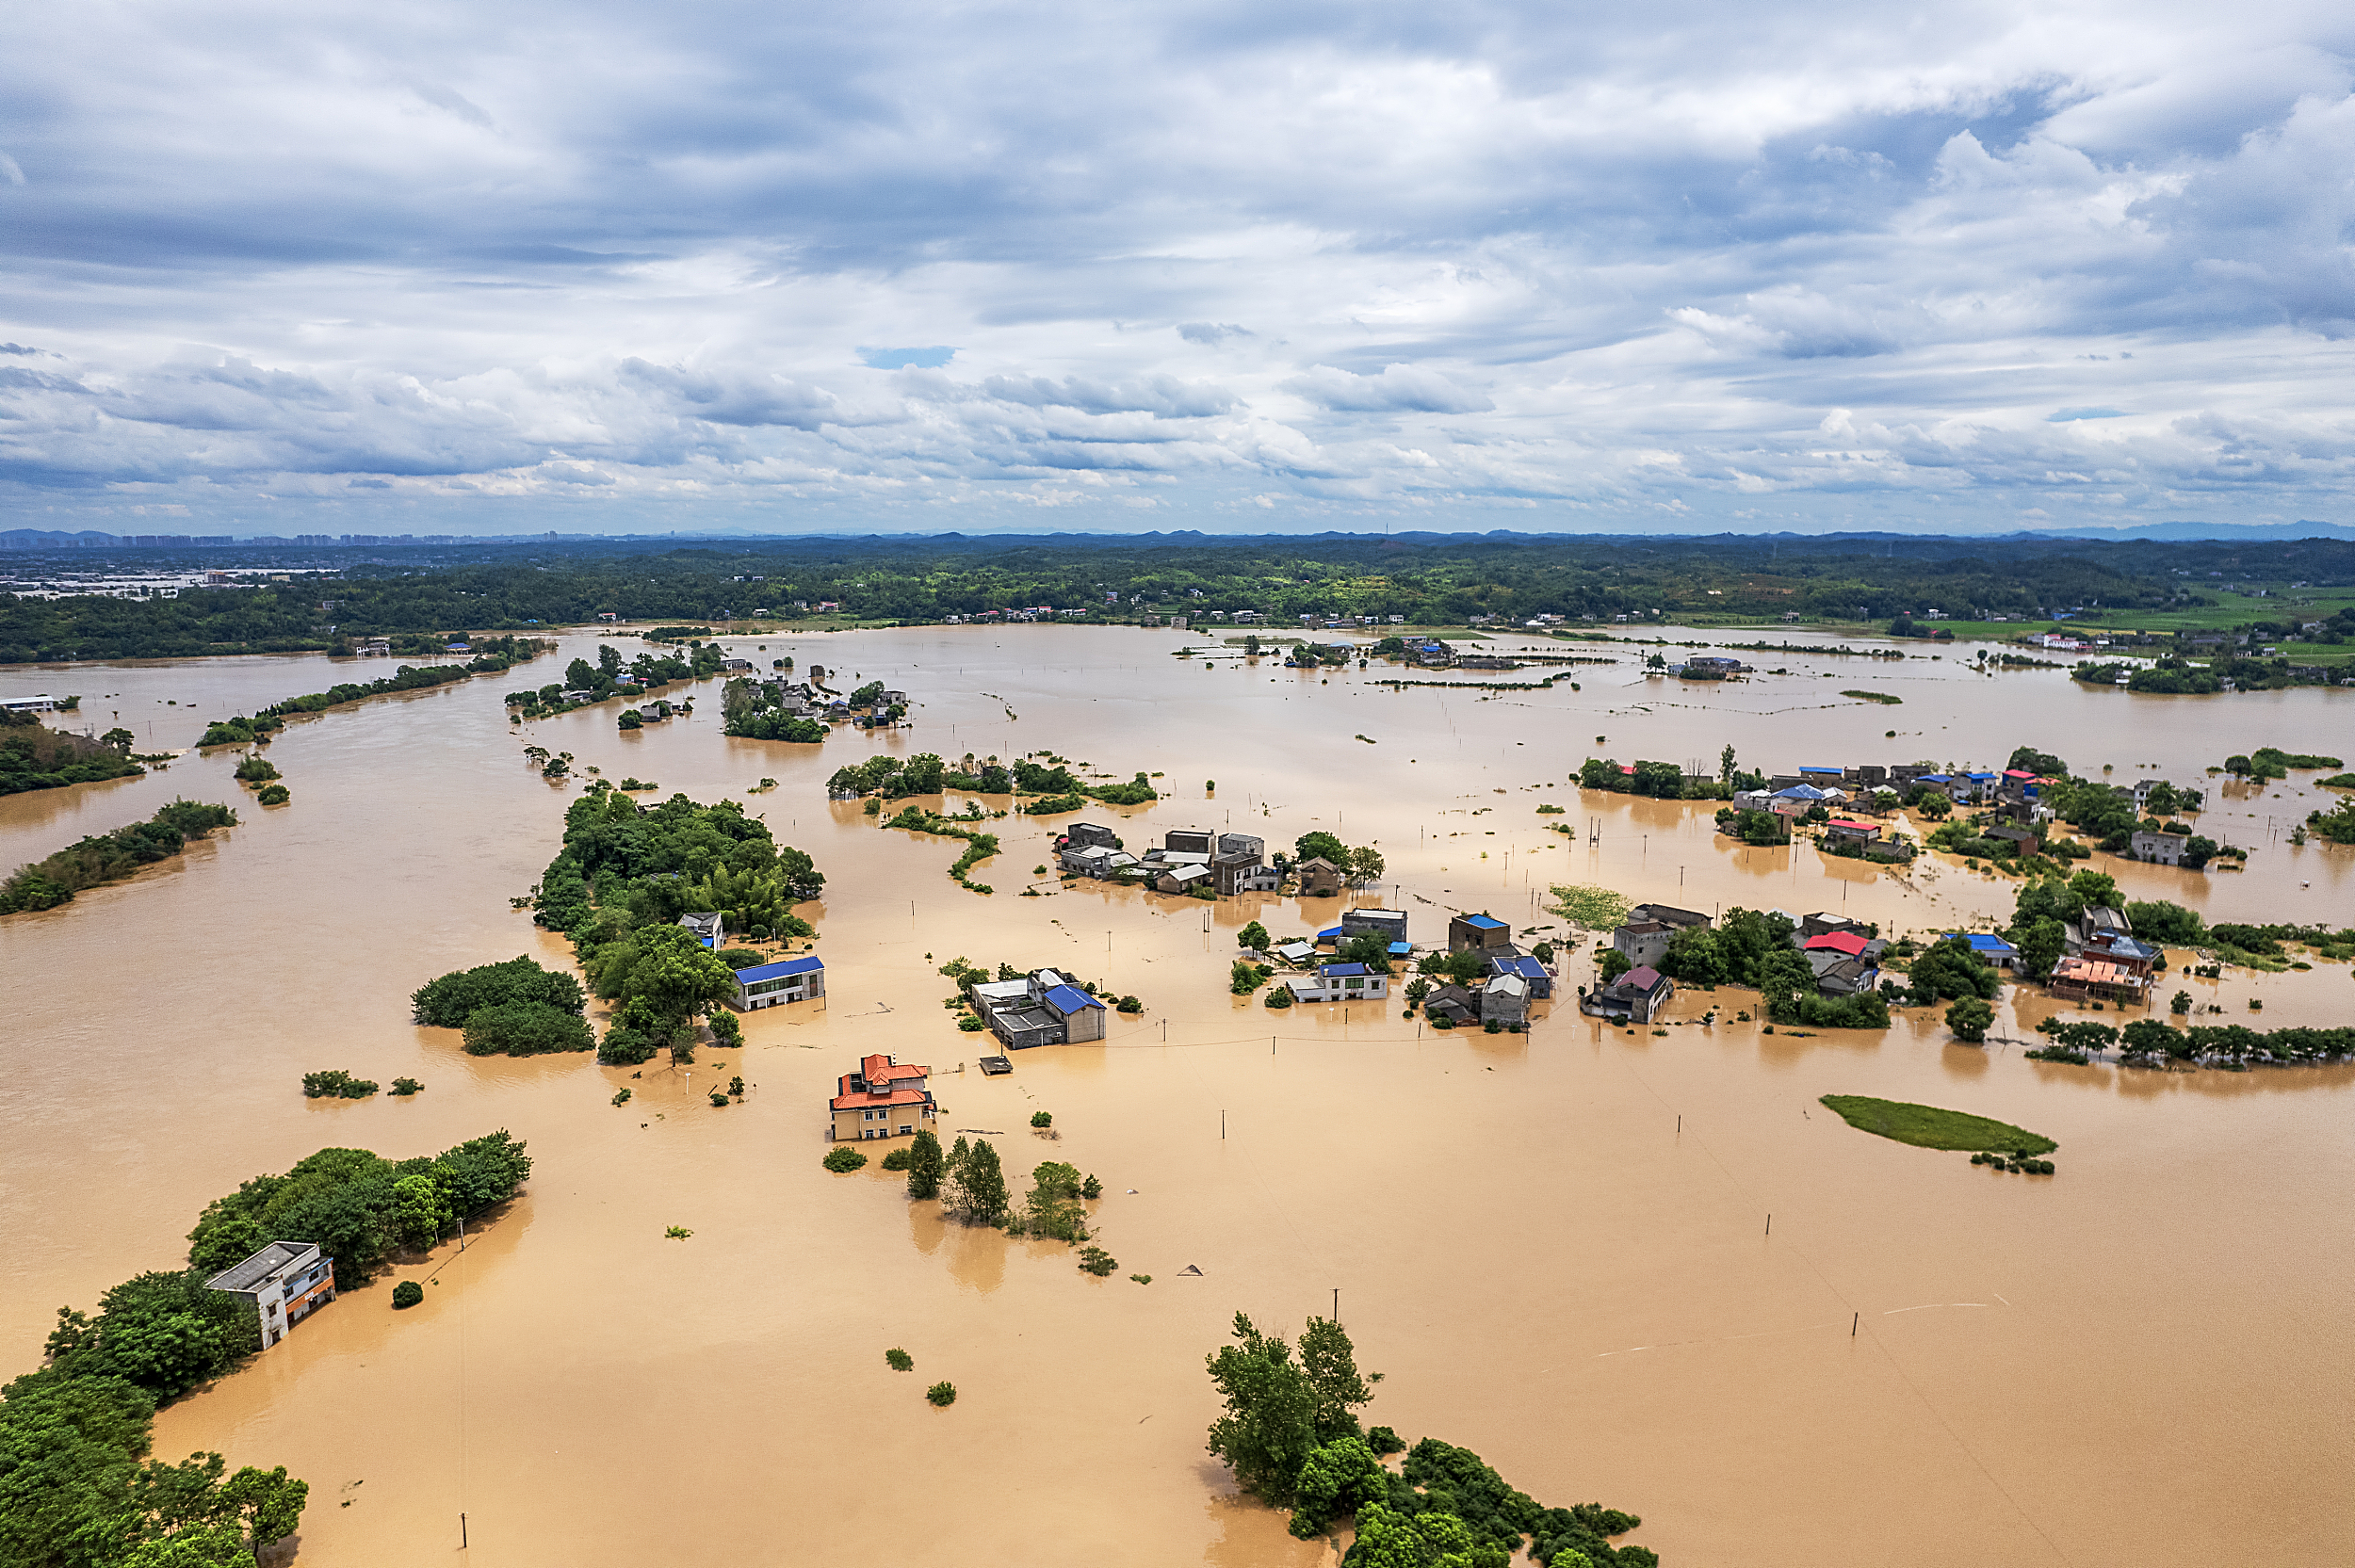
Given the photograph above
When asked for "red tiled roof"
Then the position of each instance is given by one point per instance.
(1842, 942)
(897, 1097)
(882, 1069)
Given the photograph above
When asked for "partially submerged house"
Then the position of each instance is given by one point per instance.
(1645, 936)
(286, 1281)
(1041, 1008)
(710, 928)
(1320, 878)
(1341, 982)
(1482, 930)
(1634, 998)
(768, 985)
(1989, 949)
(882, 1099)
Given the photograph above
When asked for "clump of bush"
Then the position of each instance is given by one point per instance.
(1042, 1119)
(336, 1085)
(621, 1096)
(1129, 1005)
(1095, 1260)
(256, 769)
(511, 1008)
(2022, 1164)
(408, 1293)
(274, 795)
(942, 1394)
(898, 1160)
(719, 1098)
(406, 1086)
(842, 1159)
(1280, 997)
(899, 1360)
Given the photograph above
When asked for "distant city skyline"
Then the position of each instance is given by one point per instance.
(734, 271)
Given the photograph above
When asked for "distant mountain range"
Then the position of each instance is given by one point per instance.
(2178, 532)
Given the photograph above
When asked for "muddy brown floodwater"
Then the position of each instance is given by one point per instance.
(2149, 1358)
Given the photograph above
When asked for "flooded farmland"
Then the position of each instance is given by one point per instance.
(1555, 1244)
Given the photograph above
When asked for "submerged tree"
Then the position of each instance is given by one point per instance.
(1280, 1409)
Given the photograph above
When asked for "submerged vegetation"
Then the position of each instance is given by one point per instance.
(490, 659)
(1928, 1128)
(34, 756)
(111, 857)
(1291, 1433)
(980, 846)
(624, 877)
(515, 1009)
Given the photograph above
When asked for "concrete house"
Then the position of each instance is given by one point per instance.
(1649, 927)
(1504, 1000)
(1632, 998)
(1039, 1009)
(1341, 982)
(1483, 931)
(710, 928)
(1082, 835)
(882, 1099)
(1452, 1003)
(1320, 878)
(1528, 970)
(286, 1281)
(2161, 848)
(1388, 924)
(768, 985)
(1185, 879)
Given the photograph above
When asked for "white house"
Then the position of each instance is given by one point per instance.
(1341, 982)
(285, 1281)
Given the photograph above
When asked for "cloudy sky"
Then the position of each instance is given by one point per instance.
(326, 266)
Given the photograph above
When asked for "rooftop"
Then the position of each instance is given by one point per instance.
(810, 964)
(1330, 971)
(1069, 999)
(1483, 922)
(273, 1259)
(897, 1097)
(1838, 942)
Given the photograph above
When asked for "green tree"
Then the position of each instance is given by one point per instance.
(1365, 864)
(1371, 949)
(1253, 936)
(1052, 1207)
(1269, 1427)
(420, 1210)
(1612, 965)
(1969, 1019)
(2094, 889)
(1337, 1478)
(1318, 845)
(1724, 767)
(973, 1188)
(925, 1165)
(2040, 947)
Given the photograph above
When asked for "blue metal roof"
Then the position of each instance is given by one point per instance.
(1832, 770)
(1069, 999)
(1401, 949)
(778, 970)
(1529, 969)
(1981, 942)
(1485, 922)
(1333, 935)
(1343, 970)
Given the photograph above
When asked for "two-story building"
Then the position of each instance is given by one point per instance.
(1632, 998)
(1341, 982)
(882, 1099)
(1320, 878)
(768, 985)
(1644, 937)
(286, 1281)
(710, 928)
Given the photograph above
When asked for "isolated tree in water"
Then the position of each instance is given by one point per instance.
(973, 1188)
(1279, 1410)
(925, 1165)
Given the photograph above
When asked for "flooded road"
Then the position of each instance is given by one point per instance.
(2143, 1359)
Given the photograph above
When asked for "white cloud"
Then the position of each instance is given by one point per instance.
(1888, 269)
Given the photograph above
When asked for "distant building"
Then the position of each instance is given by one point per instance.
(768, 985)
(286, 1281)
(1039, 1009)
(882, 1099)
(1389, 923)
(710, 929)
(2161, 848)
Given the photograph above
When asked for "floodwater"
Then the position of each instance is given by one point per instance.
(1556, 1246)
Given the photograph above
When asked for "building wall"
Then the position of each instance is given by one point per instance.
(1086, 1024)
(862, 1122)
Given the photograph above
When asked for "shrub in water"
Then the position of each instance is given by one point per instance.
(1042, 1119)
(842, 1158)
(1095, 1260)
(274, 795)
(900, 1361)
(942, 1394)
(408, 1293)
(719, 1097)
(406, 1085)
(898, 1159)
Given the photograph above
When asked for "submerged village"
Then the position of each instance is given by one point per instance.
(693, 940)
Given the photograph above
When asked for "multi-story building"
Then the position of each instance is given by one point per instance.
(882, 1099)
(286, 1281)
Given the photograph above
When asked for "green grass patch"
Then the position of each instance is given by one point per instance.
(1874, 696)
(1928, 1128)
